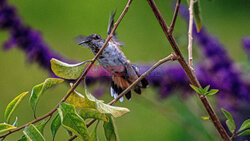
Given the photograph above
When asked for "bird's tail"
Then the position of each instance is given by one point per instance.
(121, 82)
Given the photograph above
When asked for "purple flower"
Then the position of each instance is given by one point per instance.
(246, 46)
(24, 38)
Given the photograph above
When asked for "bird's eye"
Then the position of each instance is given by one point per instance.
(97, 37)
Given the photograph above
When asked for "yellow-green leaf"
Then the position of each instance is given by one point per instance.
(23, 138)
(40, 126)
(55, 124)
(212, 92)
(66, 71)
(110, 129)
(79, 101)
(39, 89)
(87, 100)
(197, 15)
(93, 134)
(230, 121)
(205, 118)
(195, 88)
(32, 133)
(12, 106)
(73, 122)
(246, 132)
(105, 108)
(86, 113)
(245, 125)
(5, 127)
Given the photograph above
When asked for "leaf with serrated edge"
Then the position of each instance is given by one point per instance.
(65, 70)
(39, 89)
(86, 113)
(55, 124)
(110, 129)
(245, 125)
(246, 132)
(72, 121)
(12, 106)
(230, 121)
(32, 133)
(5, 127)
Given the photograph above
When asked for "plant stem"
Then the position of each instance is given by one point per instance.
(192, 78)
(177, 6)
(190, 34)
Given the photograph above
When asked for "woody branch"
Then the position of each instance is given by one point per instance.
(191, 76)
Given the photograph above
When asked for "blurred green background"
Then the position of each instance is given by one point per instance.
(150, 118)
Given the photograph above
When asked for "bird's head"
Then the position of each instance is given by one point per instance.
(93, 40)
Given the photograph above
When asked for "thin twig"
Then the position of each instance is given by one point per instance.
(82, 77)
(169, 58)
(192, 78)
(177, 6)
(190, 34)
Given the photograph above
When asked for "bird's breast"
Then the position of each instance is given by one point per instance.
(112, 57)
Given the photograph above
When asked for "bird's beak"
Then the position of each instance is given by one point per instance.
(85, 41)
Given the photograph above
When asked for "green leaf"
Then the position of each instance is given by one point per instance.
(39, 89)
(72, 121)
(66, 71)
(195, 88)
(113, 110)
(69, 132)
(5, 127)
(93, 134)
(12, 106)
(197, 15)
(246, 132)
(79, 101)
(206, 88)
(230, 121)
(55, 124)
(89, 101)
(23, 138)
(110, 129)
(86, 113)
(40, 126)
(212, 92)
(245, 125)
(105, 108)
(32, 133)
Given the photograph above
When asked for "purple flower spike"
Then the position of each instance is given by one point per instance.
(24, 38)
(246, 46)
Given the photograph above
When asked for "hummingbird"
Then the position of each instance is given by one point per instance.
(115, 62)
